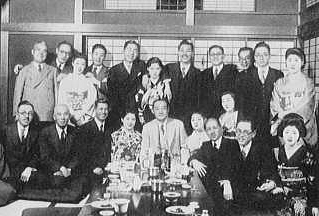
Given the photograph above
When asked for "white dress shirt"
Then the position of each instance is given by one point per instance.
(59, 130)
(217, 142)
(99, 123)
(22, 131)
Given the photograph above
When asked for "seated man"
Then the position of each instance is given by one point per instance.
(213, 162)
(7, 192)
(59, 150)
(20, 139)
(256, 173)
(162, 133)
(96, 143)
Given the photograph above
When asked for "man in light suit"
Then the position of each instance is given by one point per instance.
(37, 83)
(162, 133)
(58, 144)
(98, 71)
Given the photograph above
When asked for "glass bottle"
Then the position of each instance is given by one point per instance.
(205, 213)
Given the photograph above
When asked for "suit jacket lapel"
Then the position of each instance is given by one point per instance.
(40, 76)
(14, 134)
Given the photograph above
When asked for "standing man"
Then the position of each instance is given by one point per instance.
(216, 80)
(22, 152)
(59, 147)
(244, 82)
(263, 78)
(98, 70)
(124, 80)
(37, 83)
(64, 51)
(162, 133)
(184, 84)
(96, 143)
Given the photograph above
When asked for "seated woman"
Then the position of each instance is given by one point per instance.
(198, 136)
(78, 92)
(229, 118)
(156, 88)
(126, 142)
(295, 93)
(297, 166)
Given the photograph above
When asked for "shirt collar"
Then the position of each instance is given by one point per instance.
(59, 63)
(263, 71)
(98, 123)
(186, 66)
(128, 66)
(24, 129)
(162, 123)
(219, 68)
(218, 142)
(36, 65)
(59, 129)
(246, 148)
(98, 68)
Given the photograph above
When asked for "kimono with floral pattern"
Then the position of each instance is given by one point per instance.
(126, 145)
(296, 95)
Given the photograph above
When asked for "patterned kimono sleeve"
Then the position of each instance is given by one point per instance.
(275, 106)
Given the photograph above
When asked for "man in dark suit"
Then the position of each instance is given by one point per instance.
(64, 51)
(244, 82)
(216, 80)
(21, 148)
(96, 143)
(58, 144)
(263, 77)
(256, 171)
(184, 84)
(98, 71)
(124, 80)
(214, 164)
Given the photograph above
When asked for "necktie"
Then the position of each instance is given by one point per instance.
(63, 136)
(215, 72)
(101, 128)
(60, 68)
(183, 71)
(262, 76)
(22, 137)
(94, 70)
(162, 129)
(39, 68)
(243, 153)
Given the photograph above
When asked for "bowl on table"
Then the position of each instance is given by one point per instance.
(122, 205)
(171, 196)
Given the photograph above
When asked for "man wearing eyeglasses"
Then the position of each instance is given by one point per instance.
(256, 172)
(20, 139)
(220, 77)
(214, 164)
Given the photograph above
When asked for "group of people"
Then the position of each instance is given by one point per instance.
(249, 131)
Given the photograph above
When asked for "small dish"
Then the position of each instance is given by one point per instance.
(102, 204)
(179, 210)
(106, 213)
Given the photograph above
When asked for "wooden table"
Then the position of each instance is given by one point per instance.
(153, 204)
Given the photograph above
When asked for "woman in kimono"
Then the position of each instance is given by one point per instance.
(229, 118)
(78, 92)
(298, 168)
(198, 136)
(156, 88)
(295, 93)
(126, 142)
